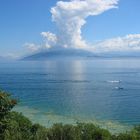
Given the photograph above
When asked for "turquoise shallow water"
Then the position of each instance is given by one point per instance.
(103, 91)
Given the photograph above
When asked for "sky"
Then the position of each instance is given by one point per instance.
(27, 25)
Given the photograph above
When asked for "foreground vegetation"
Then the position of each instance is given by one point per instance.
(15, 126)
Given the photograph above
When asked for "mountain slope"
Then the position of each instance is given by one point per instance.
(59, 54)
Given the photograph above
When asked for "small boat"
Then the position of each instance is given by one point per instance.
(115, 81)
(119, 88)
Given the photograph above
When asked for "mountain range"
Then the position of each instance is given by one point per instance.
(59, 54)
(70, 53)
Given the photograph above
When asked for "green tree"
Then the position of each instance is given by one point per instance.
(6, 104)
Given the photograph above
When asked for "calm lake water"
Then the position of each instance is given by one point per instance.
(106, 90)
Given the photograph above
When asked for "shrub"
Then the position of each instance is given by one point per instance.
(15, 126)
(6, 104)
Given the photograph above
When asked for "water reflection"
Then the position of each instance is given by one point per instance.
(78, 89)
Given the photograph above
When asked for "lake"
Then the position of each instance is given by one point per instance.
(102, 91)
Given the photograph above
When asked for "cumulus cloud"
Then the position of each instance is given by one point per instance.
(32, 47)
(71, 16)
(50, 39)
(129, 42)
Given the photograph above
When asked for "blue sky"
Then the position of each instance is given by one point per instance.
(23, 21)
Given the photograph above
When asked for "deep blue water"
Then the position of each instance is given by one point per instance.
(105, 89)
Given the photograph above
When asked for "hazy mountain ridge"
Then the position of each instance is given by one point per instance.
(7, 58)
(60, 53)
(77, 53)
(3, 58)
(121, 54)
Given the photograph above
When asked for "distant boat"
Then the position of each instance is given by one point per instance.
(115, 81)
(119, 88)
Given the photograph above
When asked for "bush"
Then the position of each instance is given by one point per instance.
(6, 104)
(15, 126)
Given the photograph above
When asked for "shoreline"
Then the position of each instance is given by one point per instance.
(47, 119)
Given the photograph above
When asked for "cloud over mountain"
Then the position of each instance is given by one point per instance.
(71, 16)
(50, 39)
(31, 46)
(127, 43)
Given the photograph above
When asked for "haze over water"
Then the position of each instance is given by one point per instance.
(98, 89)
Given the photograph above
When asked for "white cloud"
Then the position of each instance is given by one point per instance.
(50, 39)
(31, 46)
(129, 42)
(71, 16)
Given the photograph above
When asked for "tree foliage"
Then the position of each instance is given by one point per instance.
(15, 126)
